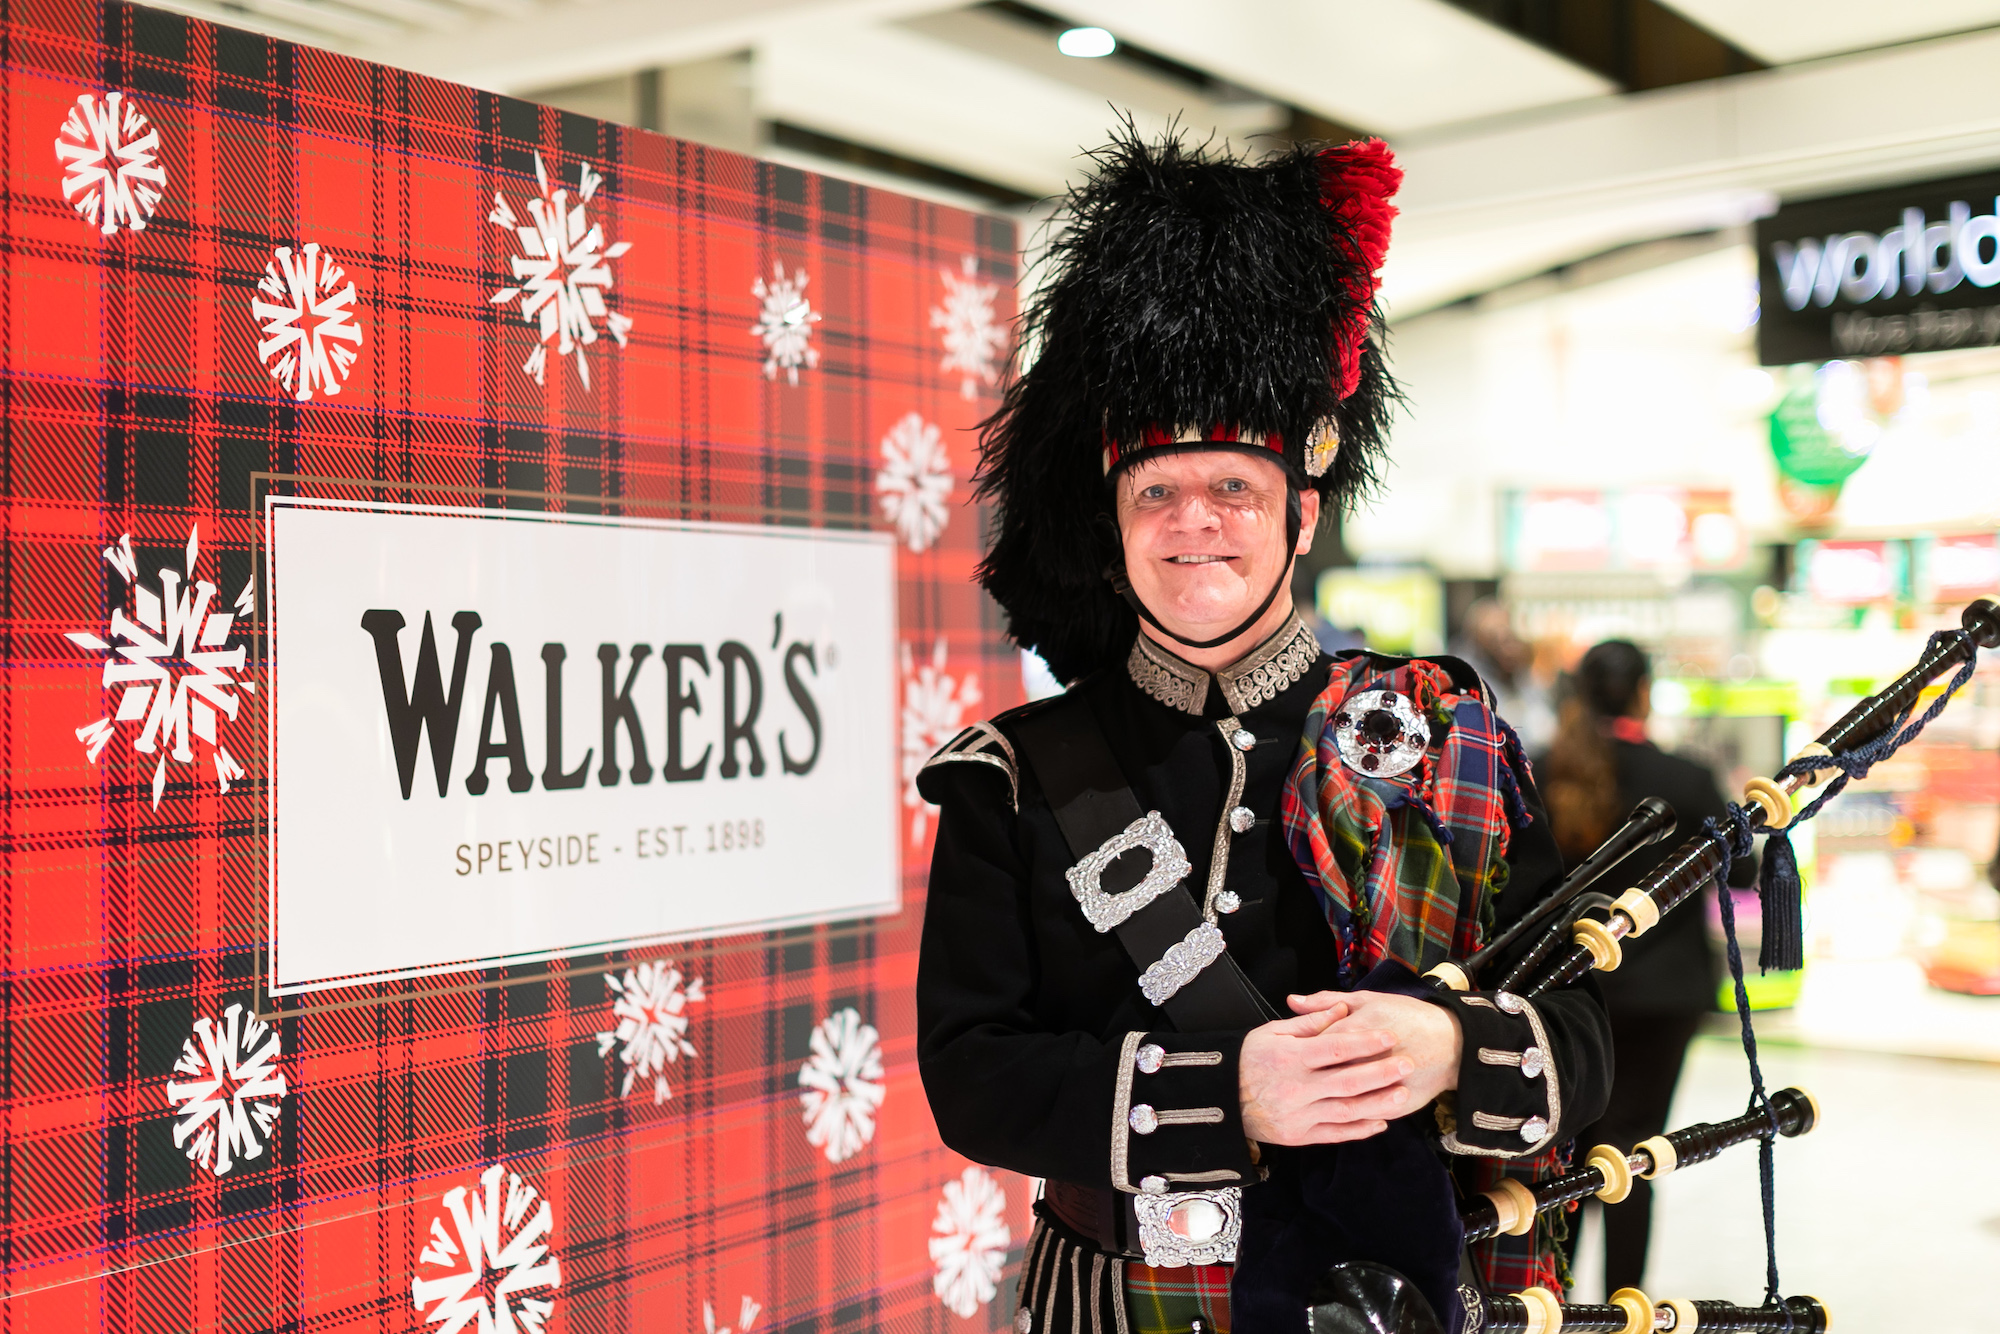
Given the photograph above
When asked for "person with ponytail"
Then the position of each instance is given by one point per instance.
(1600, 764)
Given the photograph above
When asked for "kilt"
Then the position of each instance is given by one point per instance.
(1069, 1287)
(1169, 1301)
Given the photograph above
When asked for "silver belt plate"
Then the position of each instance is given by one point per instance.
(1195, 1227)
(1170, 867)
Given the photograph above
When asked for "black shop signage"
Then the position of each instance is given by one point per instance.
(1910, 269)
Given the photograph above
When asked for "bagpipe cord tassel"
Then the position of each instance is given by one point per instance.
(1782, 908)
(1783, 946)
(1778, 893)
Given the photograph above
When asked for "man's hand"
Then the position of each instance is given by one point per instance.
(1425, 1036)
(1315, 1080)
(1345, 1065)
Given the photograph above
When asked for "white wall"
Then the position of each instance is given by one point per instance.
(1645, 378)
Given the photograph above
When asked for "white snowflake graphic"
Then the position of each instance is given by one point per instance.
(934, 705)
(974, 339)
(309, 324)
(746, 1318)
(491, 1256)
(915, 481)
(650, 1006)
(170, 663)
(784, 324)
(110, 155)
(564, 270)
(232, 1093)
(841, 1085)
(969, 1240)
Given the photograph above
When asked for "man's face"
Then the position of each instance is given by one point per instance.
(1204, 536)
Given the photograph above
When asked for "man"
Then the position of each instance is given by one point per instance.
(1170, 952)
(1488, 644)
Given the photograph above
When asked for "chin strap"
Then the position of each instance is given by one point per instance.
(1115, 572)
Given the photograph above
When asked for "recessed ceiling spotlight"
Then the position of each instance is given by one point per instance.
(1088, 43)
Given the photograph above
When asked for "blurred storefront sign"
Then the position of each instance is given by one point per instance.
(1910, 269)
(1696, 627)
(1963, 567)
(1827, 423)
(1397, 609)
(1662, 529)
(1826, 426)
(1854, 574)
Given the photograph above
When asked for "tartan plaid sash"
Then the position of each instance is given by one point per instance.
(1406, 868)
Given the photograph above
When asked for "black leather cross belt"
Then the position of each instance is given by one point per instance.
(1097, 1215)
(1097, 811)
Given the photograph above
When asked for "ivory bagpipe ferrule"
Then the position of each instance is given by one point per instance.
(1650, 821)
(1701, 859)
(1795, 1110)
(1512, 1207)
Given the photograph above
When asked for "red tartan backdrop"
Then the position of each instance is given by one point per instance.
(135, 402)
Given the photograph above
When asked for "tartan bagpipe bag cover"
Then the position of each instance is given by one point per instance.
(251, 285)
(1406, 869)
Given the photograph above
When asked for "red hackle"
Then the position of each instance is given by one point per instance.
(1357, 181)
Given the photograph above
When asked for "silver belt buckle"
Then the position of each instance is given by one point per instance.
(1195, 1227)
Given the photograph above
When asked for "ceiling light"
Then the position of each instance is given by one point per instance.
(1088, 43)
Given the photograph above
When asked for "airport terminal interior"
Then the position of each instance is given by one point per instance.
(593, 446)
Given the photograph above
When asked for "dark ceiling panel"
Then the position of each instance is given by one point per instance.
(1638, 44)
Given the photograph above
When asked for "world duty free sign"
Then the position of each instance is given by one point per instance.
(1915, 268)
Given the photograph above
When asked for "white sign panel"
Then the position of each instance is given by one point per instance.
(501, 736)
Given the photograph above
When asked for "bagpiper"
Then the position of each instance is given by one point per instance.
(1178, 914)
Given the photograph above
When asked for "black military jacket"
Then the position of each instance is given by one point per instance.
(1028, 1018)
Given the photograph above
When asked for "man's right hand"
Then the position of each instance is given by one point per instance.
(1303, 1085)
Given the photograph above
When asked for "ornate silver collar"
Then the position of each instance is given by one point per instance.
(1257, 677)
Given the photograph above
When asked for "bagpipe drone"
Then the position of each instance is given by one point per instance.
(1583, 930)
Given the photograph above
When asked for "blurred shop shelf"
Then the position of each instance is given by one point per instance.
(1879, 1005)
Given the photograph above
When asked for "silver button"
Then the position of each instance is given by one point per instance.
(1533, 1062)
(1153, 1185)
(1149, 1058)
(1243, 739)
(1228, 901)
(1532, 1129)
(1143, 1119)
(1509, 1002)
(1024, 1321)
(1241, 818)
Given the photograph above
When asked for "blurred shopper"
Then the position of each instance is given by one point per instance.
(1330, 637)
(1506, 662)
(1600, 766)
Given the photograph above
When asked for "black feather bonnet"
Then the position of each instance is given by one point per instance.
(1191, 296)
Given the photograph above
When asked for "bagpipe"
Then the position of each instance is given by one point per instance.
(1874, 729)
(1608, 1174)
(1582, 930)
